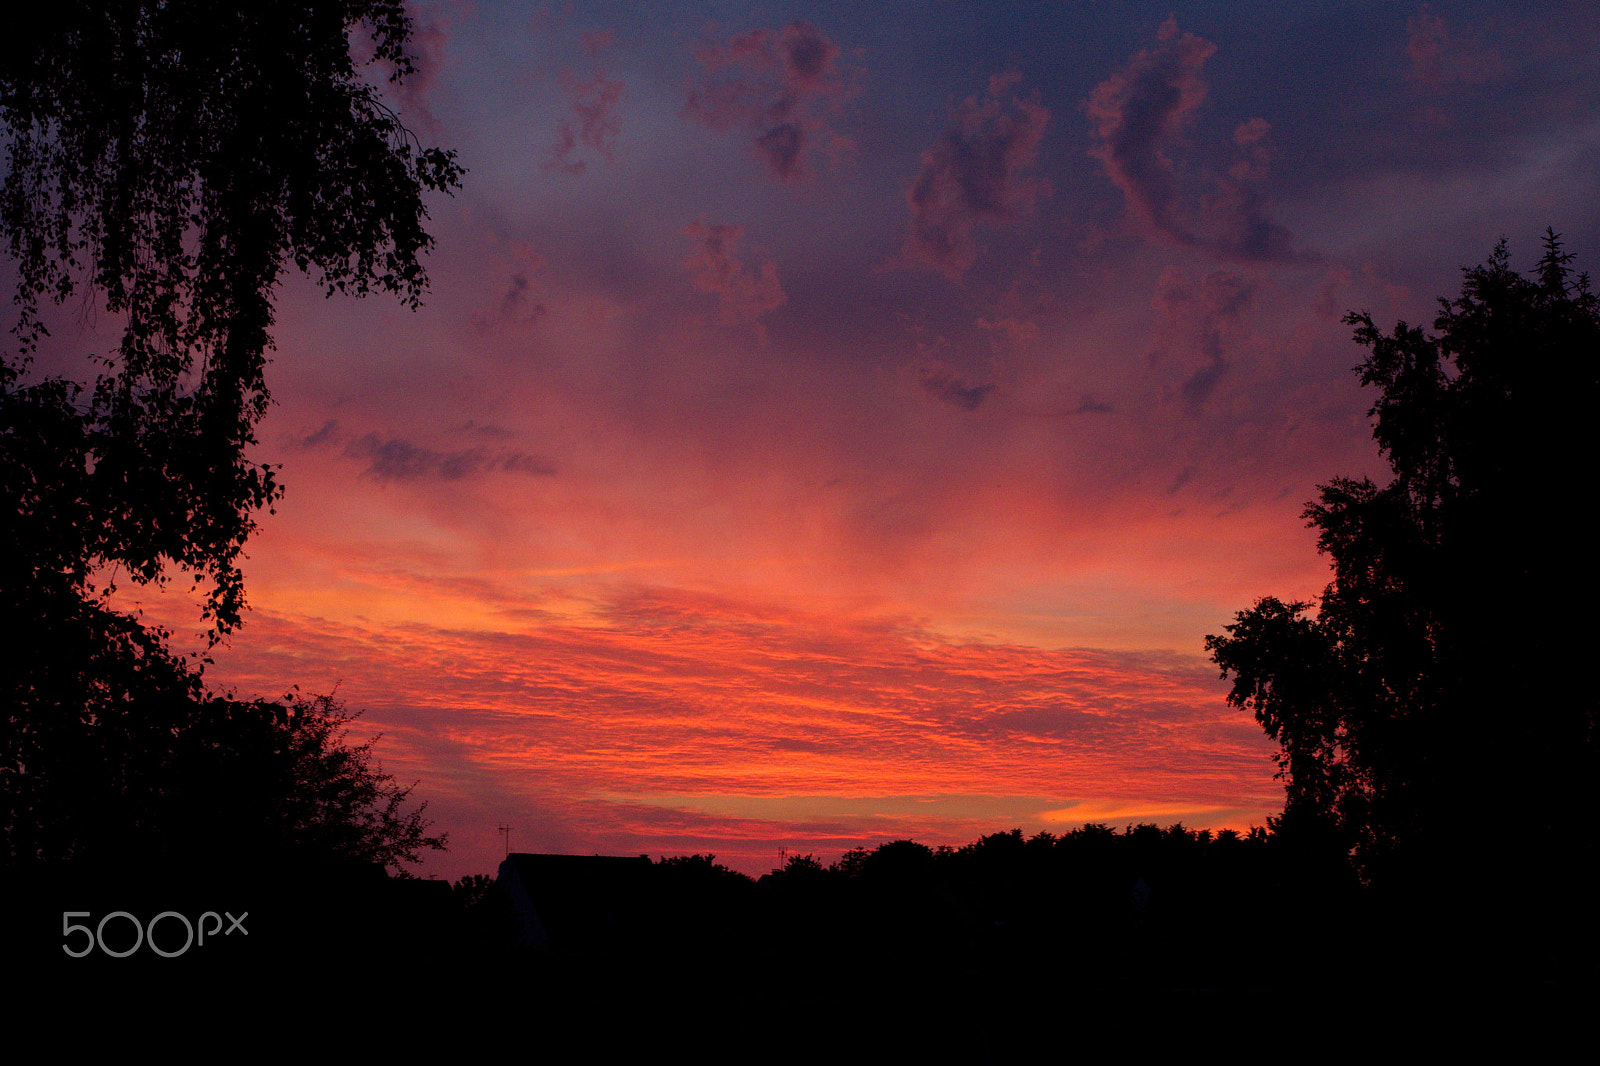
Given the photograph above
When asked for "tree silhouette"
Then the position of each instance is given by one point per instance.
(1436, 698)
(281, 779)
(171, 159)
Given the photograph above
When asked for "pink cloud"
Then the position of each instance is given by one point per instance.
(944, 384)
(518, 304)
(1138, 110)
(976, 172)
(595, 123)
(598, 41)
(1440, 58)
(515, 308)
(1238, 211)
(1016, 331)
(714, 267)
(429, 38)
(1202, 317)
(783, 85)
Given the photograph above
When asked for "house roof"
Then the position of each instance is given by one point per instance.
(569, 898)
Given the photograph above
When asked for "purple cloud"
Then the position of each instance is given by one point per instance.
(975, 172)
(1139, 107)
(595, 123)
(598, 41)
(399, 459)
(942, 383)
(1138, 110)
(1440, 58)
(516, 308)
(781, 84)
(1202, 316)
(715, 267)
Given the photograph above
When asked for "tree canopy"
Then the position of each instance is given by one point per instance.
(1438, 690)
(171, 159)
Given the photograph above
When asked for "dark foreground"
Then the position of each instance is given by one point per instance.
(906, 955)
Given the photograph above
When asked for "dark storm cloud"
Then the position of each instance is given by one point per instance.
(975, 172)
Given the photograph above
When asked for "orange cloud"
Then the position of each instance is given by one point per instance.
(659, 720)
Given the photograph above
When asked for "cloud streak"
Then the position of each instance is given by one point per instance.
(717, 722)
(390, 459)
(398, 459)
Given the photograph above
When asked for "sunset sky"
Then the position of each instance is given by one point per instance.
(834, 423)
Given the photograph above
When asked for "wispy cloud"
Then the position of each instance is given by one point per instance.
(595, 123)
(664, 717)
(516, 307)
(1200, 317)
(321, 435)
(400, 459)
(943, 383)
(1441, 57)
